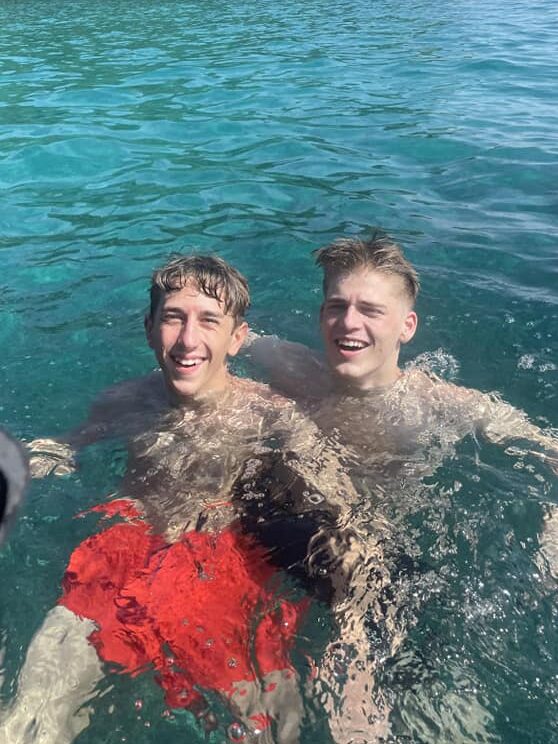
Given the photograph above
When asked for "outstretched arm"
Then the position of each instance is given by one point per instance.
(113, 412)
(57, 455)
(292, 368)
(499, 421)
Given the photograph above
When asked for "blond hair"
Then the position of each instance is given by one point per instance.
(378, 252)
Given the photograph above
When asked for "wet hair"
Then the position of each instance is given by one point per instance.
(210, 274)
(378, 252)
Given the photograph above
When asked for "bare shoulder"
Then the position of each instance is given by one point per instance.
(289, 366)
(122, 407)
(427, 383)
(146, 389)
(422, 390)
(260, 394)
(263, 407)
(421, 383)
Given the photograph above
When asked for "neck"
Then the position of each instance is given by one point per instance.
(379, 382)
(207, 398)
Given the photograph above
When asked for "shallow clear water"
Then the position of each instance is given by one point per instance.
(260, 131)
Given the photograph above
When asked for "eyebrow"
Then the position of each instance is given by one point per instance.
(212, 314)
(341, 300)
(371, 305)
(362, 303)
(169, 309)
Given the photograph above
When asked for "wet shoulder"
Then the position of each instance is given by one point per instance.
(451, 403)
(292, 368)
(425, 385)
(128, 406)
(259, 397)
(273, 411)
(145, 390)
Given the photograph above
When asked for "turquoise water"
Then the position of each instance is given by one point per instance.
(260, 131)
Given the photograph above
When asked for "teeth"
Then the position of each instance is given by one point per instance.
(188, 362)
(353, 345)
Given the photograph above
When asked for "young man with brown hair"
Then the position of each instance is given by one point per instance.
(179, 585)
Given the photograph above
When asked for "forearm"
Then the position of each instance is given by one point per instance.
(58, 455)
(502, 423)
(494, 419)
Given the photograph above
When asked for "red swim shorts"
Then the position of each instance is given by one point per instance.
(203, 612)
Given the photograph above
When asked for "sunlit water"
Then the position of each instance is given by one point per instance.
(260, 131)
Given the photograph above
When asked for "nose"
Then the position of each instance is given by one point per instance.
(350, 318)
(189, 334)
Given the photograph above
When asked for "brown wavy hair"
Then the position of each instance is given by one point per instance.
(210, 274)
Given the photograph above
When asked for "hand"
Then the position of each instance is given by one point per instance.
(47, 456)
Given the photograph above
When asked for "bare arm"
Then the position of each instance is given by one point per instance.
(307, 481)
(57, 455)
(499, 421)
(112, 413)
(292, 368)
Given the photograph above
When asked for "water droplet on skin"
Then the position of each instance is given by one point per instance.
(231, 663)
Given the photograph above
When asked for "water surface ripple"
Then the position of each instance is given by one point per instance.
(261, 130)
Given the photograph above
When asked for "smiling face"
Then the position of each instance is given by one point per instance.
(365, 318)
(192, 336)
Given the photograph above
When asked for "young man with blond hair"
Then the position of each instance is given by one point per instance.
(390, 426)
(367, 314)
(177, 584)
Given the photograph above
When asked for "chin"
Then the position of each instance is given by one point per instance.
(184, 392)
(351, 374)
(345, 367)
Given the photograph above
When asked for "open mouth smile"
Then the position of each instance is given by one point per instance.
(187, 364)
(350, 345)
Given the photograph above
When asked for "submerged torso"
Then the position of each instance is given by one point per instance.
(182, 467)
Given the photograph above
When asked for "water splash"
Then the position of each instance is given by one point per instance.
(438, 362)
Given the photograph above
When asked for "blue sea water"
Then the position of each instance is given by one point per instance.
(260, 131)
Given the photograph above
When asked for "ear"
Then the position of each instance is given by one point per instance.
(148, 326)
(238, 338)
(409, 327)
